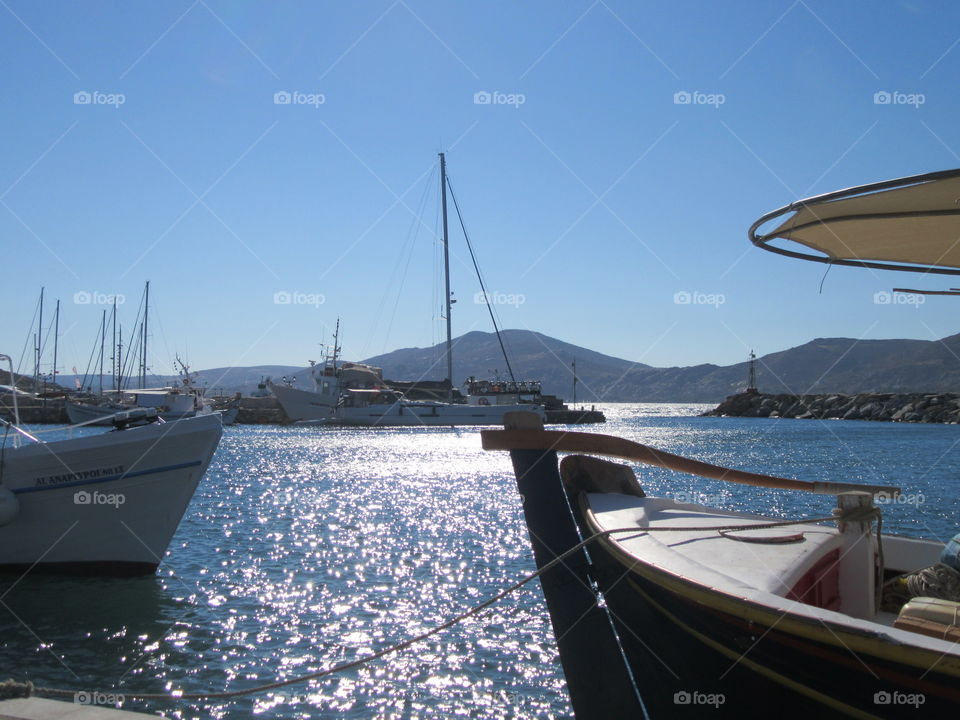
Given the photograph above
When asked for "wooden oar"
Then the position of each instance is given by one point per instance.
(596, 444)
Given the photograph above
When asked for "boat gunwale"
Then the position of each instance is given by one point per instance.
(840, 631)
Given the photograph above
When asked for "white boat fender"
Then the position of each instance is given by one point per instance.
(9, 505)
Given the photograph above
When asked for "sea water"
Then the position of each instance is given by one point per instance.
(306, 547)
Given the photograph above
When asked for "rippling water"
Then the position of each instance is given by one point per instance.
(306, 547)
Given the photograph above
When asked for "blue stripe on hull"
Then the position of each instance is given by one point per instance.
(124, 476)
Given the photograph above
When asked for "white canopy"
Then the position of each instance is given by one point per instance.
(910, 223)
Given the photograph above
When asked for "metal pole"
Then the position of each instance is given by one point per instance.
(103, 338)
(446, 273)
(143, 365)
(574, 382)
(113, 348)
(56, 332)
(36, 366)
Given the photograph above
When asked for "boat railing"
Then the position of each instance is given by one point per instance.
(498, 387)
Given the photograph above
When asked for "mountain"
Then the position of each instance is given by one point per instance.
(533, 356)
(824, 365)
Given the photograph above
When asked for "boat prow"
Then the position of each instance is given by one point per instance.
(107, 503)
(706, 610)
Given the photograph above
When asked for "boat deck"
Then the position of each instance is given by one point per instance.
(42, 709)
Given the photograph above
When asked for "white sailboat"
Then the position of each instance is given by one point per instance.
(183, 400)
(101, 504)
(355, 394)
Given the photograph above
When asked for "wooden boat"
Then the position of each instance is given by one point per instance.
(666, 609)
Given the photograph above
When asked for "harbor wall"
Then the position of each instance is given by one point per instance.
(884, 407)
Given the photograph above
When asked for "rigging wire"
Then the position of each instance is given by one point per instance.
(412, 235)
(133, 341)
(161, 362)
(483, 287)
(96, 346)
(23, 352)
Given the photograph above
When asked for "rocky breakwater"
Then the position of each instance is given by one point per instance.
(892, 407)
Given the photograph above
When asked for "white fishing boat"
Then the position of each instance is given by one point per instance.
(170, 403)
(102, 504)
(356, 394)
(666, 609)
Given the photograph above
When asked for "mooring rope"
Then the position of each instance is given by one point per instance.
(26, 689)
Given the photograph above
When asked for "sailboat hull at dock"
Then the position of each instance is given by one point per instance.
(307, 406)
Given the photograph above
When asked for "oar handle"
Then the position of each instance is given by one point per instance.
(597, 444)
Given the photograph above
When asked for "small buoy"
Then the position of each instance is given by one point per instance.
(9, 505)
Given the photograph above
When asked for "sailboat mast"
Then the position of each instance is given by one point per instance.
(143, 357)
(120, 359)
(446, 273)
(37, 344)
(56, 332)
(103, 339)
(113, 349)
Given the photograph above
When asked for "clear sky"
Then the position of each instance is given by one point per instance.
(151, 141)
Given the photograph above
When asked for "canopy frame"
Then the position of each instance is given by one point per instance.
(764, 240)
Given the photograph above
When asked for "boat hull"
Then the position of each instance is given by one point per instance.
(107, 503)
(303, 405)
(698, 652)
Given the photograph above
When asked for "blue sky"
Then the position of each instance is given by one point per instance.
(598, 201)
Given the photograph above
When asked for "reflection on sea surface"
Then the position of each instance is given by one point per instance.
(305, 547)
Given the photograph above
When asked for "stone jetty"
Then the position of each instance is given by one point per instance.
(891, 407)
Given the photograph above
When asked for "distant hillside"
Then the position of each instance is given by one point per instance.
(825, 365)
(228, 380)
(533, 356)
(822, 365)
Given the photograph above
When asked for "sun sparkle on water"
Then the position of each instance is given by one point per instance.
(307, 547)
